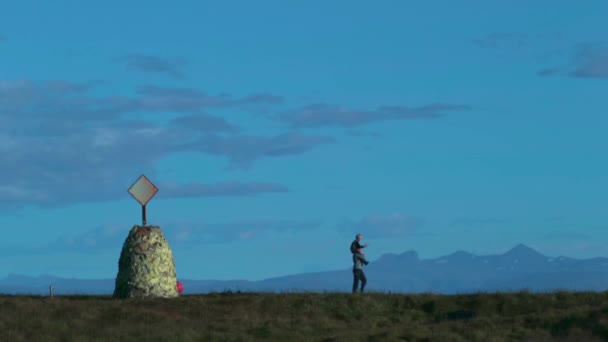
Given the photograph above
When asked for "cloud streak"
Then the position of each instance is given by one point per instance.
(589, 61)
(204, 122)
(72, 146)
(176, 190)
(155, 64)
(94, 163)
(325, 115)
(69, 100)
(186, 99)
(244, 150)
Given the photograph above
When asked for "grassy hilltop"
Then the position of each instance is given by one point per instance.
(228, 316)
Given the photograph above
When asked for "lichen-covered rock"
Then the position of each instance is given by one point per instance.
(146, 267)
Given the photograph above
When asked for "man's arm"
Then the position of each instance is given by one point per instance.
(360, 245)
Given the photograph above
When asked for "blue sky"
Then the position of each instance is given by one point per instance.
(275, 132)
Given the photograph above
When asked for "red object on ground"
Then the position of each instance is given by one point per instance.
(180, 287)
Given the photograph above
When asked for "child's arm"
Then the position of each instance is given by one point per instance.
(362, 258)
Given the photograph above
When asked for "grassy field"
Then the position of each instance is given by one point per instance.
(227, 316)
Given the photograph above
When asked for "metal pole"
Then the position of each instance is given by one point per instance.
(143, 215)
(51, 291)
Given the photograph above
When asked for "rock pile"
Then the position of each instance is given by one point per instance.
(146, 267)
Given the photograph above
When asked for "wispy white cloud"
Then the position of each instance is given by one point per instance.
(589, 61)
(157, 98)
(155, 64)
(173, 189)
(71, 146)
(204, 122)
(321, 115)
(245, 149)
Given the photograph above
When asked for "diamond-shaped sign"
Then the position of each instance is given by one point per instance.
(143, 190)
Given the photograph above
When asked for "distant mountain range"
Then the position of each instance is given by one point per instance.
(461, 272)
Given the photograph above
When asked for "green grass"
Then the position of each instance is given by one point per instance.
(228, 316)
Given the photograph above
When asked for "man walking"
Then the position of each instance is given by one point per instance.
(358, 275)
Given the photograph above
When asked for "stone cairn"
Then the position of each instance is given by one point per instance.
(146, 267)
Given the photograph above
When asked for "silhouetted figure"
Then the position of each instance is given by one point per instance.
(356, 244)
(358, 275)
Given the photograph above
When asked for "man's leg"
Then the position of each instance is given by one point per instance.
(355, 281)
(363, 280)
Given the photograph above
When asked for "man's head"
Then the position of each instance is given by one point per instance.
(359, 237)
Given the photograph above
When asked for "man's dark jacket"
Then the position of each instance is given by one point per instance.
(354, 246)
